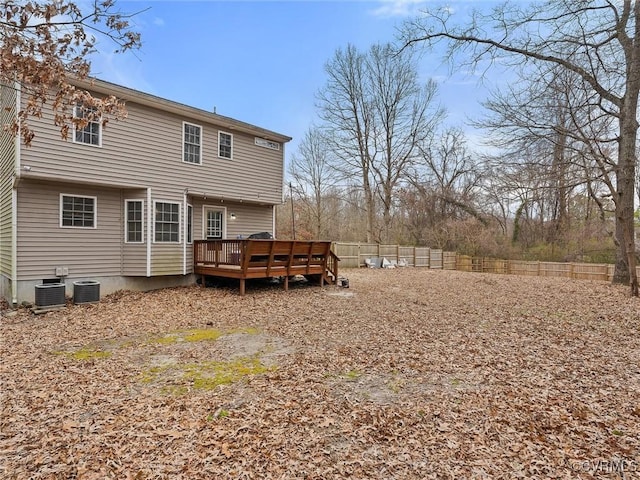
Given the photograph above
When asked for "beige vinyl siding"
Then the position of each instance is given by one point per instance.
(8, 97)
(134, 259)
(146, 150)
(166, 259)
(249, 218)
(44, 245)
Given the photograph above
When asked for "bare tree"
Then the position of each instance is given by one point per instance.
(44, 49)
(599, 41)
(313, 178)
(547, 123)
(448, 172)
(376, 113)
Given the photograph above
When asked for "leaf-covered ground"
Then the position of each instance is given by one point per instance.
(409, 373)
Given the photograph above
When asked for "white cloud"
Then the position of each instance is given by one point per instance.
(158, 21)
(123, 69)
(399, 8)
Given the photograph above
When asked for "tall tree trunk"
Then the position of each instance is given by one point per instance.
(625, 271)
(626, 172)
(371, 207)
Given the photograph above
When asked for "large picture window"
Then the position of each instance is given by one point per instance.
(76, 211)
(91, 133)
(225, 145)
(134, 221)
(167, 222)
(192, 143)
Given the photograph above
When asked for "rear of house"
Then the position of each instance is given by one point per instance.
(122, 205)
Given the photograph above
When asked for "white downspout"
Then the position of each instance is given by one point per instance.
(14, 207)
(185, 227)
(149, 230)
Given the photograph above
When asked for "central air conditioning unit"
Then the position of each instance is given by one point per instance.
(50, 295)
(86, 291)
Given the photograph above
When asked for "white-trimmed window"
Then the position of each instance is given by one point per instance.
(77, 211)
(189, 223)
(134, 221)
(214, 223)
(191, 143)
(91, 133)
(225, 145)
(167, 222)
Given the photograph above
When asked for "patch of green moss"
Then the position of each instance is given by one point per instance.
(198, 335)
(87, 353)
(204, 375)
(352, 375)
(209, 375)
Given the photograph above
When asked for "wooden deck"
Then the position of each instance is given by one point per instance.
(248, 259)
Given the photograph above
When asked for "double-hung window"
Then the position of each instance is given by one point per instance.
(134, 221)
(167, 222)
(78, 212)
(191, 143)
(89, 131)
(225, 145)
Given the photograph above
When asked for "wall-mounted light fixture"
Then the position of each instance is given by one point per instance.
(232, 216)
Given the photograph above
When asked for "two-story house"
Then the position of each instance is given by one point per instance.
(122, 205)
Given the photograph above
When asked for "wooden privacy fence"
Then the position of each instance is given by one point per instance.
(353, 255)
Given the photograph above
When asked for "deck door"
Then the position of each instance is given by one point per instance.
(214, 223)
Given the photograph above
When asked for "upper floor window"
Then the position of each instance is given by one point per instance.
(167, 222)
(192, 143)
(225, 145)
(134, 221)
(77, 211)
(91, 132)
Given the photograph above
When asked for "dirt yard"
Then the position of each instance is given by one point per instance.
(408, 374)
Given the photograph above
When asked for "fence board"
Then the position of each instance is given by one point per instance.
(422, 257)
(408, 255)
(435, 258)
(449, 260)
(353, 255)
(464, 263)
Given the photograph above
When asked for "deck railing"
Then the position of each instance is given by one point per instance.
(218, 252)
(247, 259)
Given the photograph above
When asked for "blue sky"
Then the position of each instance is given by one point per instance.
(262, 62)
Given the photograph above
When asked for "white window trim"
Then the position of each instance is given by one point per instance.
(126, 220)
(186, 225)
(155, 202)
(73, 131)
(201, 138)
(95, 210)
(220, 132)
(204, 219)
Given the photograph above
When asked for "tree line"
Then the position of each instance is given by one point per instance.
(381, 165)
